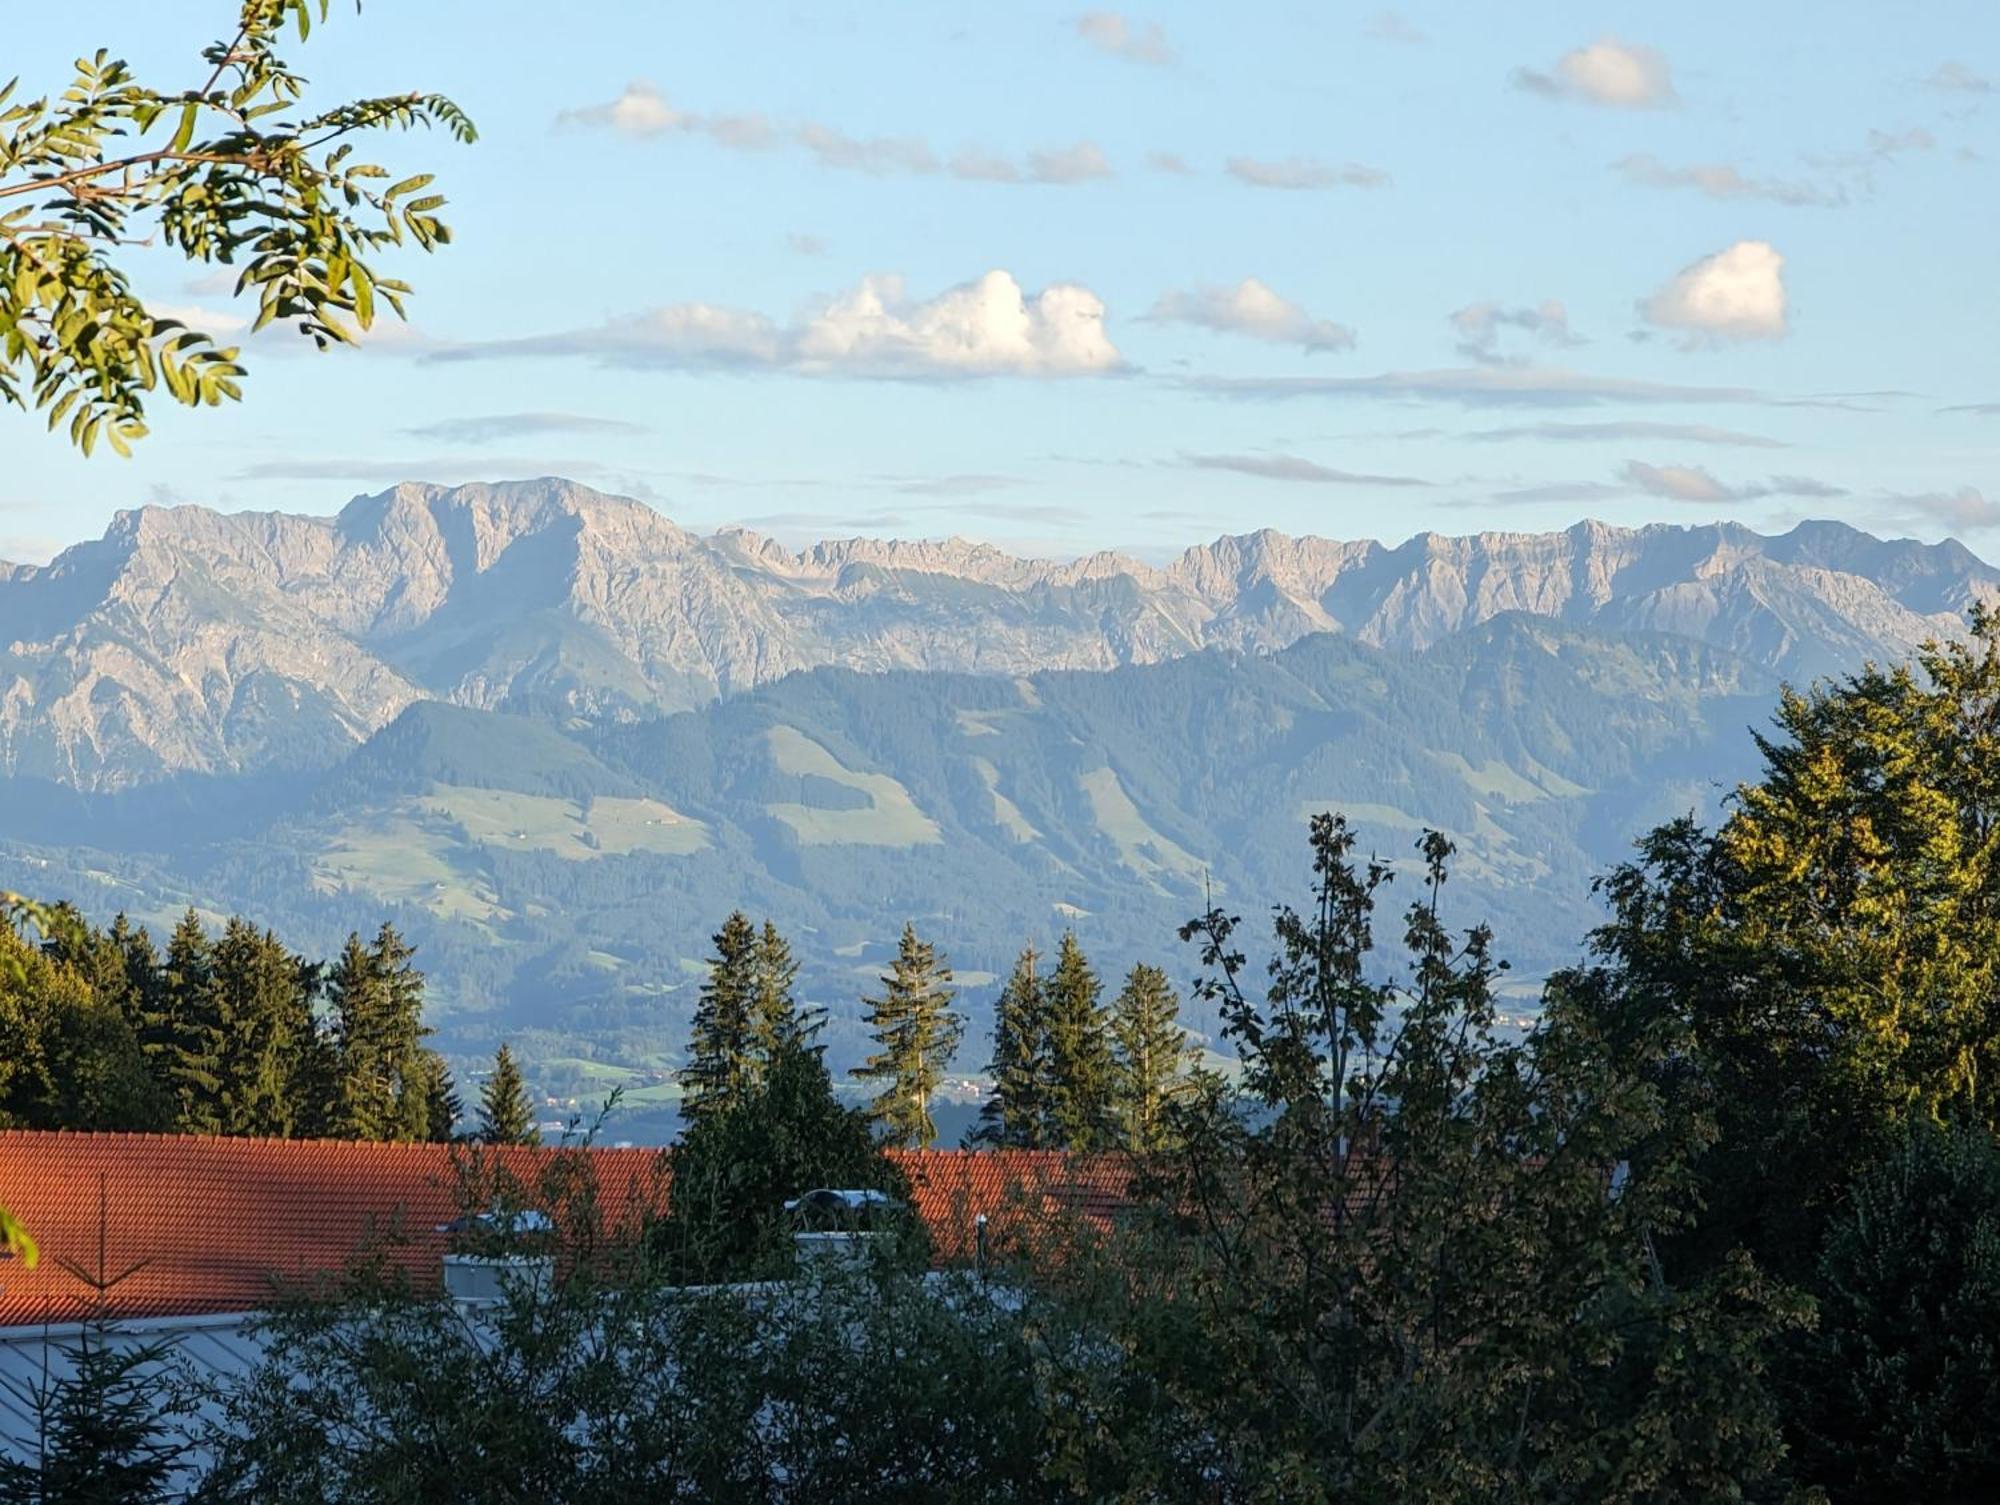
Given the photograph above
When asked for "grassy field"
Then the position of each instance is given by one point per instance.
(1141, 848)
(891, 819)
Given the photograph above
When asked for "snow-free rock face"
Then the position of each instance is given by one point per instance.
(191, 641)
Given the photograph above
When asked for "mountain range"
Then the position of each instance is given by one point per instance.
(556, 738)
(192, 642)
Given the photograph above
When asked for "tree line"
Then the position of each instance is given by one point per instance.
(232, 1033)
(1068, 1071)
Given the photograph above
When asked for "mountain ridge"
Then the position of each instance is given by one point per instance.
(190, 641)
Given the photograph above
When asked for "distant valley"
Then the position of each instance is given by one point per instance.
(556, 738)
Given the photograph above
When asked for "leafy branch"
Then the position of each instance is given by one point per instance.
(234, 171)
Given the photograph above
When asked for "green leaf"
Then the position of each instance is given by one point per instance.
(16, 1240)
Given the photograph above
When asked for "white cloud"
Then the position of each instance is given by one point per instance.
(1966, 510)
(211, 321)
(1121, 37)
(1068, 164)
(1693, 483)
(1736, 294)
(642, 110)
(1630, 428)
(1388, 26)
(1720, 181)
(1956, 78)
(1479, 326)
(876, 155)
(1251, 308)
(1294, 468)
(1168, 162)
(988, 327)
(1304, 173)
(1623, 75)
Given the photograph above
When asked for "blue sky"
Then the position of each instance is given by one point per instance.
(1069, 278)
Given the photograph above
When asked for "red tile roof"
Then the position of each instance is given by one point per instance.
(209, 1223)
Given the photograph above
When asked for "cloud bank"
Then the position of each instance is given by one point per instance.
(987, 327)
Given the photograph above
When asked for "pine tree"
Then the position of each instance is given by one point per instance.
(1016, 1116)
(1153, 1062)
(777, 1024)
(721, 1066)
(183, 1036)
(1080, 1065)
(917, 1033)
(506, 1113)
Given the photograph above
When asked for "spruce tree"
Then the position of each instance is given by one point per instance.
(442, 1107)
(777, 1024)
(383, 1089)
(1016, 1116)
(1153, 1059)
(265, 1017)
(183, 1035)
(721, 1065)
(1080, 1065)
(916, 1033)
(506, 1113)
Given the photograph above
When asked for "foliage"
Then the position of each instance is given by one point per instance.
(506, 1113)
(1080, 1067)
(721, 1062)
(1154, 1067)
(1417, 1263)
(1894, 1395)
(1016, 1112)
(1832, 952)
(916, 1034)
(231, 170)
(777, 1023)
(106, 1427)
(735, 1170)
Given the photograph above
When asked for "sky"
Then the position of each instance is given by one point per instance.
(1065, 278)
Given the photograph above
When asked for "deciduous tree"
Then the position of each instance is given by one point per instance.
(229, 167)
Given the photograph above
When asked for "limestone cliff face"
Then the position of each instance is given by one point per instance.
(189, 641)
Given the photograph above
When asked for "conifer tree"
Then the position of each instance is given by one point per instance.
(506, 1113)
(383, 1088)
(183, 1036)
(1080, 1065)
(442, 1107)
(265, 1017)
(777, 1024)
(1153, 1061)
(916, 1033)
(1016, 1116)
(721, 1065)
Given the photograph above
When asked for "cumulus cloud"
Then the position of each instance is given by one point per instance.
(1956, 78)
(642, 112)
(483, 428)
(1304, 173)
(987, 327)
(1121, 37)
(1622, 75)
(1479, 327)
(1692, 483)
(1627, 429)
(1720, 181)
(1736, 294)
(1169, 162)
(1251, 308)
(1293, 468)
